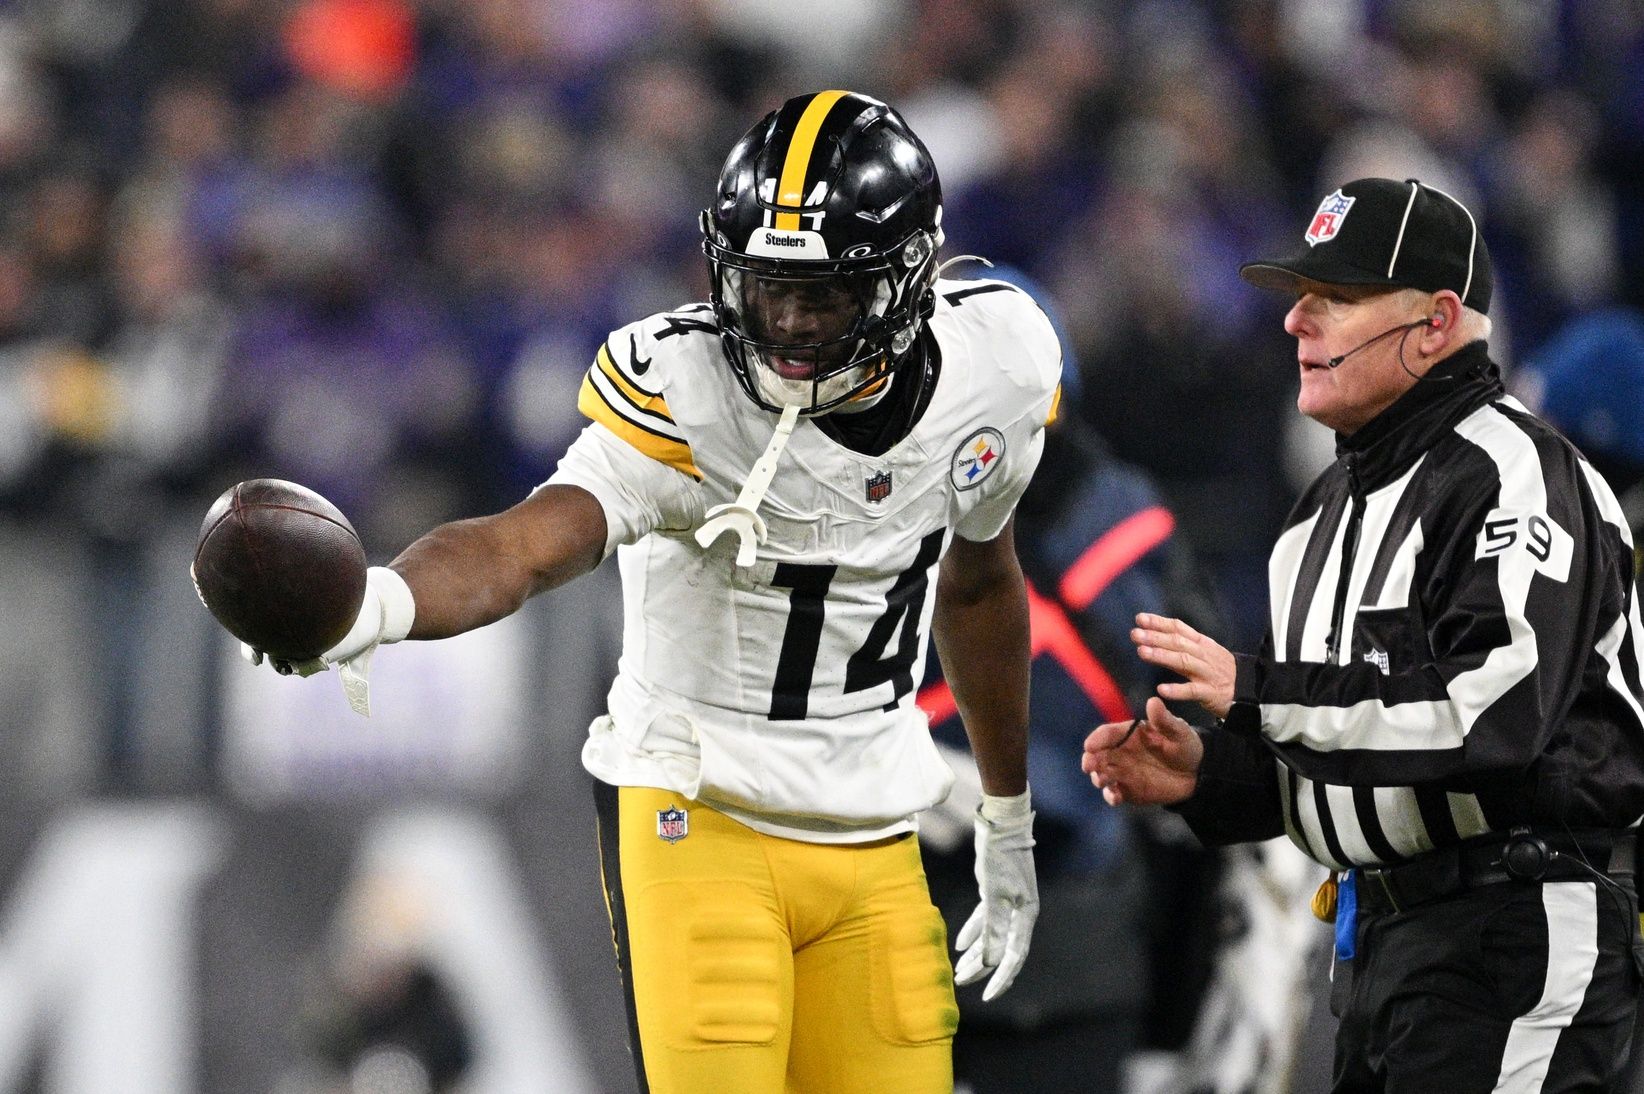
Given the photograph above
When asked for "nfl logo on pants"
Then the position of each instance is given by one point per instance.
(672, 824)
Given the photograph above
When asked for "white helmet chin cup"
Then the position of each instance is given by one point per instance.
(807, 395)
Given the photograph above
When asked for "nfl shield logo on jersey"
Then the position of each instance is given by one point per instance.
(1327, 221)
(879, 486)
(673, 824)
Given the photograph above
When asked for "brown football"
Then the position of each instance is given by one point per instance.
(280, 567)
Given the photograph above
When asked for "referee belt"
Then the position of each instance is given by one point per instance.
(1522, 855)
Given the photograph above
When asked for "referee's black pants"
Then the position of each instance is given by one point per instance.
(1518, 986)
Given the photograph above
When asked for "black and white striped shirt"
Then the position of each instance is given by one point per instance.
(1453, 647)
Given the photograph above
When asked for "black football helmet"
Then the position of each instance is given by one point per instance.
(821, 246)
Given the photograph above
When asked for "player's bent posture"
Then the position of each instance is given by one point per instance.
(798, 478)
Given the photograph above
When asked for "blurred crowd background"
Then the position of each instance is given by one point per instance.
(372, 245)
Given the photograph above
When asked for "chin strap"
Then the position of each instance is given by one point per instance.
(741, 516)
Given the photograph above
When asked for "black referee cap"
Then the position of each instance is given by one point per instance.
(1383, 232)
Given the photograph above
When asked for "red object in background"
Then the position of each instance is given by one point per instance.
(1117, 551)
(1053, 633)
(365, 48)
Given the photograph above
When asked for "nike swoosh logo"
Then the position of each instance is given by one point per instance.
(640, 365)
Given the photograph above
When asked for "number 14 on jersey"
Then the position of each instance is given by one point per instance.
(869, 666)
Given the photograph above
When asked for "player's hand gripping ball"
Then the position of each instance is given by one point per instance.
(281, 568)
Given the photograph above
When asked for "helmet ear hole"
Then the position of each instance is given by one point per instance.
(916, 249)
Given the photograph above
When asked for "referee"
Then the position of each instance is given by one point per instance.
(1447, 709)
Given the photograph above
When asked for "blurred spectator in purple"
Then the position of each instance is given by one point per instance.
(1297, 105)
(192, 163)
(1554, 239)
(648, 170)
(1172, 343)
(476, 52)
(346, 374)
(560, 306)
(573, 269)
(1047, 93)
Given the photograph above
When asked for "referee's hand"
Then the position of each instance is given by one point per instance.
(1207, 665)
(1151, 761)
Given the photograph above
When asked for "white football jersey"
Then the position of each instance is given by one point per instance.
(783, 692)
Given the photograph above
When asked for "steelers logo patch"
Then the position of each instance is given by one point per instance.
(975, 459)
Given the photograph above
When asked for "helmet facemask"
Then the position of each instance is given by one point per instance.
(816, 334)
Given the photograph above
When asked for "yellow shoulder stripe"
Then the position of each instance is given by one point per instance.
(1055, 407)
(642, 400)
(629, 424)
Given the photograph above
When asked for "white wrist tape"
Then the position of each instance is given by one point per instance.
(399, 607)
(996, 809)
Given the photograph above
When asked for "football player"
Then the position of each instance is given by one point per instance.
(799, 477)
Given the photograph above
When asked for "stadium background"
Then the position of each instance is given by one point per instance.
(370, 245)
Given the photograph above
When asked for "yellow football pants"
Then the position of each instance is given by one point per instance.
(758, 965)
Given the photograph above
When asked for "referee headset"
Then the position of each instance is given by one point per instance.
(1436, 321)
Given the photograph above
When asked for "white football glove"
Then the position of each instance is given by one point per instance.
(996, 936)
(386, 615)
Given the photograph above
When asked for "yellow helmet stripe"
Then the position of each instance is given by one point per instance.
(790, 189)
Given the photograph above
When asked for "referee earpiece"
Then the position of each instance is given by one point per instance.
(1437, 321)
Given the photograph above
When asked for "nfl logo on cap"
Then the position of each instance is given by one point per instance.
(673, 824)
(1327, 221)
(1404, 235)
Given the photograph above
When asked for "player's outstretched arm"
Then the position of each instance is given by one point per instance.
(469, 573)
(461, 576)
